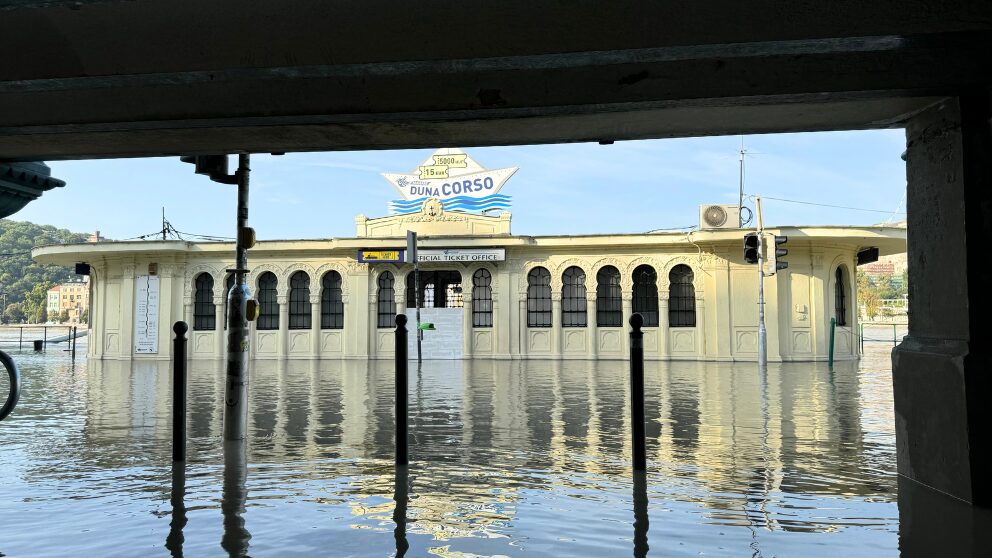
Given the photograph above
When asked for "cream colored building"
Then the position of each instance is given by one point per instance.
(73, 297)
(530, 297)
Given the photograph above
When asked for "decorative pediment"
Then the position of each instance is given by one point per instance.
(433, 219)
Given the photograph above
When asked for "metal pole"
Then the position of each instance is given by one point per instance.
(402, 451)
(639, 452)
(179, 392)
(862, 324)
(73, 342)
(401, 496)
(20, 340)
(45, 340)
(236, 389)
(740, 200)
(762, 333)
(420, 332)
(894, 339)
(830, 357)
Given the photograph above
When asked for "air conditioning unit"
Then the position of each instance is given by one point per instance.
(724, 216)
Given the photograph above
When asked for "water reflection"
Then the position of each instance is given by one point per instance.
(232, 504)
(174, 541)
(507, 458)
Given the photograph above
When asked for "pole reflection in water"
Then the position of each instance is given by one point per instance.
(401, 496)
(640, 514)
(232, 504)
(174, 540)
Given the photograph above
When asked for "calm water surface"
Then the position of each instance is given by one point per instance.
(507, 459)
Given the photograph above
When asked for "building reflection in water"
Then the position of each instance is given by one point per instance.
(746, 450)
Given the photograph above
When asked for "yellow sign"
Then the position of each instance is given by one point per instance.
(380, 256)
(433, 171)
(454, 161)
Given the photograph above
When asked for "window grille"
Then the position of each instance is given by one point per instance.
(840, 305)
(645, 293)
(539, 298)
(331, 303)
(268, 304)
(609, 304)
(204, 311)
(482, 299)
(681, 297)
(386, 306)
(299, 301)
(573, 297)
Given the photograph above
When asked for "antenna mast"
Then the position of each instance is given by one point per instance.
(740, 201)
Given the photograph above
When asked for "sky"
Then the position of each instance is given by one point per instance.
(582, 188)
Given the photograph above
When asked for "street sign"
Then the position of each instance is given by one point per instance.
(380, 256)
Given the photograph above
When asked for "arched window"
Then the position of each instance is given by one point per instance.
(482, 299)
(386, 307)
(539, 298)
(609, 306)
(573, 297)
(204, 311)
(331, 304)
(681, 297)
(438, 289)
(299, 301)
(268, 305)
(228, 285)
(645, 293)
(840, 305)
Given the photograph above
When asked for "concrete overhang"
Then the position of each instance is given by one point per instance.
(146, 78)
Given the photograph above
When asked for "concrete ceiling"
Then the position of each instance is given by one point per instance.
(132, 78)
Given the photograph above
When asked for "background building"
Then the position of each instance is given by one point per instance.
(490, 294)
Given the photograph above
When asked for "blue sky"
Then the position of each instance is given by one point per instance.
(626, 187)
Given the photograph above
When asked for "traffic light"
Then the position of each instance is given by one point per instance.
(751, 248)
(779, 252)
(214, 166)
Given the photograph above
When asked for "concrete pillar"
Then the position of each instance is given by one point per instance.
(663, 330)
(467, 317)
(522, 325)
(315, 324)
(556, 333)
(373, 329)
(592, 350)
(627, 306)
(219, 332)
(283, 335)
(941, 370)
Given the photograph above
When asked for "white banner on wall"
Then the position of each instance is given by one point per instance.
(146, 314)
(462, 255)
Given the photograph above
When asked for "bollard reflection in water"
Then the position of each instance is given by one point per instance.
(640, 514)
(232, 504)
(401, 496)
(174, 540)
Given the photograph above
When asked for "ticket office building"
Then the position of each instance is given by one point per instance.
(539, 297)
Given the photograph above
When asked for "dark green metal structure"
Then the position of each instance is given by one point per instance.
(21, 183)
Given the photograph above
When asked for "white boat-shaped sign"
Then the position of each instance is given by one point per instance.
(453, 177)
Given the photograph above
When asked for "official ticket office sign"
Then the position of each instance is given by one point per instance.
(380, 256)
(462, 255)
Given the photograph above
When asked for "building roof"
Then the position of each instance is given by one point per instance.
(888, 240)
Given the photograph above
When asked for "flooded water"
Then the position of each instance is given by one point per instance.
(507, 459)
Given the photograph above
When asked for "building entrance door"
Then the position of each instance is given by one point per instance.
(441, 304)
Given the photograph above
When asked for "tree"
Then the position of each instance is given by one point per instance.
(18, 272)
(36, 303)
(868, 299)
(85, 317)
(63, 316)
(13, 314)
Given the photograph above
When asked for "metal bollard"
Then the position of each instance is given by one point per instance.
(179, 392)
(637, 393)
(402, 452)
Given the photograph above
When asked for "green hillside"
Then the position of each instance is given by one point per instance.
(23, 281)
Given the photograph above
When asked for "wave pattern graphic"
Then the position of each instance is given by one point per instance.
(459, 203)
